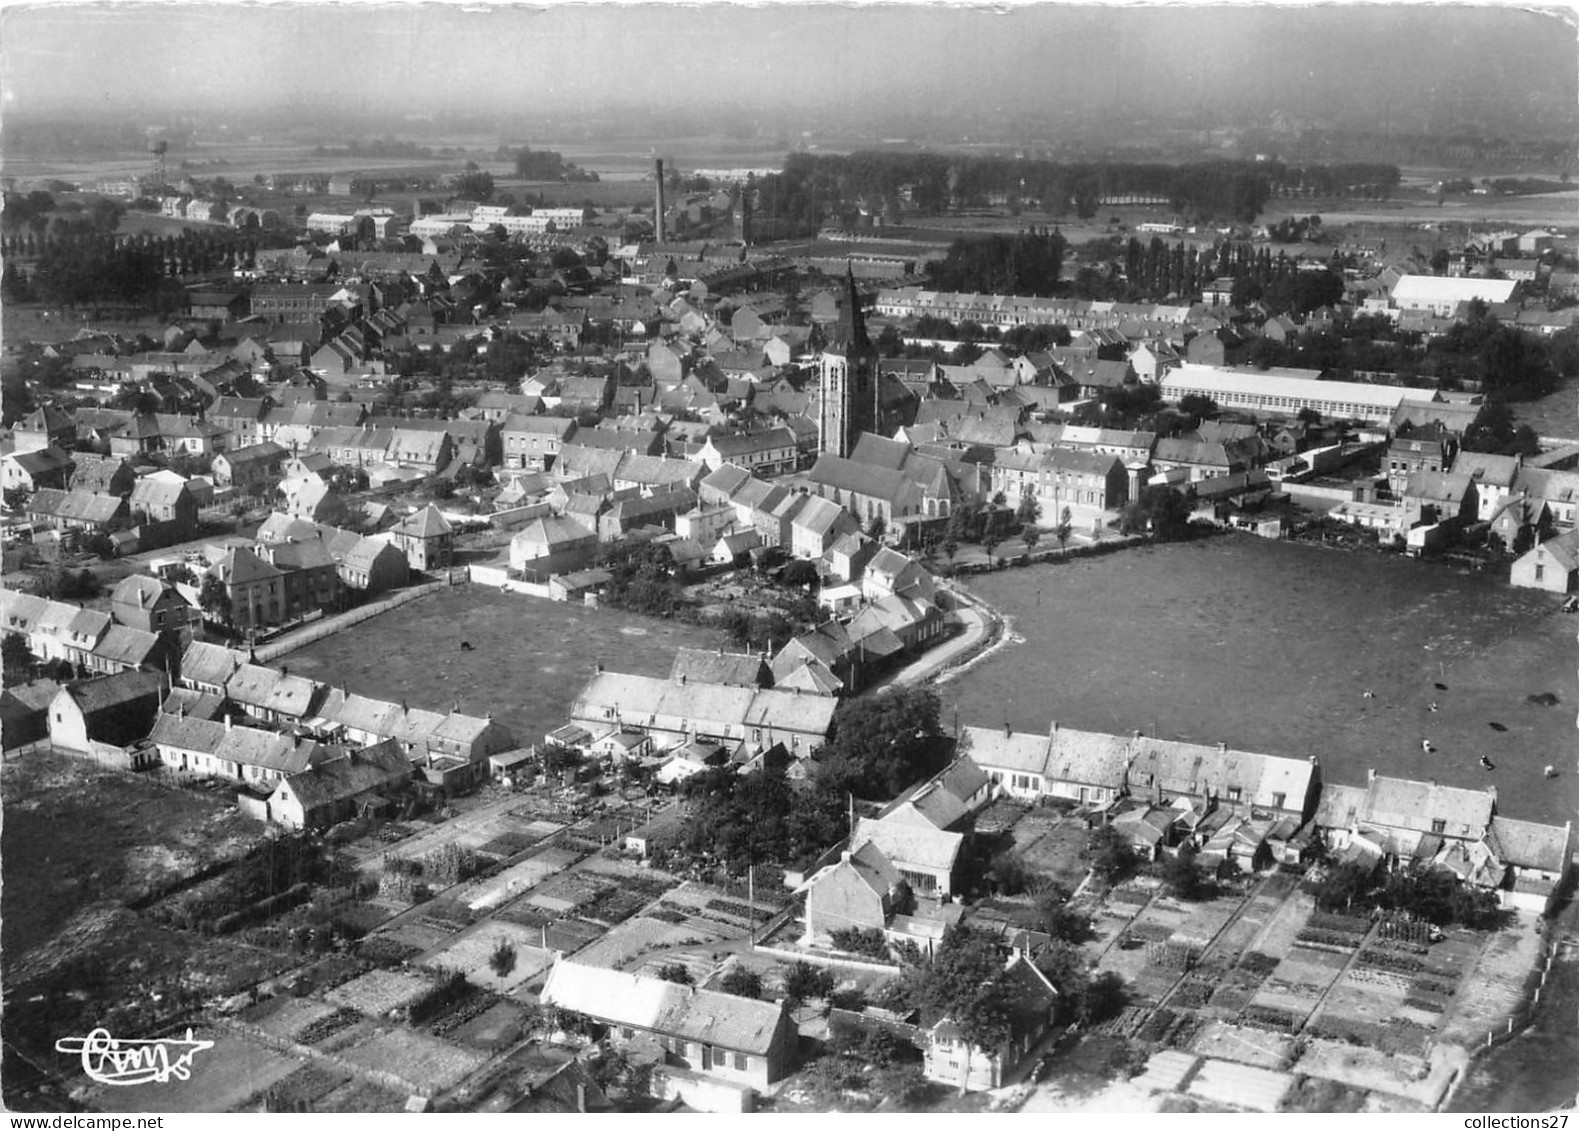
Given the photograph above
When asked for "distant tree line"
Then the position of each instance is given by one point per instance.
(813, 186)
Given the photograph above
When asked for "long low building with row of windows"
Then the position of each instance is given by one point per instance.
(1270, 393)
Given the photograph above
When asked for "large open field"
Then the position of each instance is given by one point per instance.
(1269, 647)
(529, 657)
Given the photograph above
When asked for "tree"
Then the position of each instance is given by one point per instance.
(1066, 524)
(742, 981)
(1028, 511)
(884, 742)
(18, 659)
(1339, 888)
(1161, 511)
(1181, 876)
(214, 599)
(989, 543)
(1194, 404)
(1030, 535)
(1010, 874)
(1102, 997)
(502, 961)
(1111, 857)
(804, 981)
(1060, 921)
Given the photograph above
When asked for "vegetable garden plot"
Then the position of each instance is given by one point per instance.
(426, 1063)
(1260, 1047)
(363, 1097)
(378, 992)
(471, 954)
(286, 1016)
(304, 1087)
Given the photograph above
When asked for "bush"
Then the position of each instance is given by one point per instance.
(675, 972)
(869, 941)
(1010, 874)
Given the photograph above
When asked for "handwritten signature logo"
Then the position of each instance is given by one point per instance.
(110, 1060)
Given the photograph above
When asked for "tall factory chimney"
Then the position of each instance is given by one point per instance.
(658, 224)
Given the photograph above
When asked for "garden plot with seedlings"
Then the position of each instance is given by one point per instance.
(1246, 1045)
(518, 878)
(1297, 984)
(414, 933)
(636, 938)
(305, 1087)
(472, 954)
(222, 1078)
(378, 992)
(562, 894)
(287, 1017)
(362, 1097)
(426, 1064)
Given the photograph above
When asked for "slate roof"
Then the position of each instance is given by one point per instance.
(125, 645)
(1402, 803)
(115, 692)
(904, 843)
(709, 666)
(210, 664)
(1008, 751)
(1526, 844)
(245, 746)
(336, 779)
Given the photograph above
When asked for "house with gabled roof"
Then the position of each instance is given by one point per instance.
(1220, 777)
(1551, 564)
(337, 787)
(817, 525)
(862, 890)
(926, 857)
(675, 713)
(221, 749)
(115, 710)
(717, 1049)
(427, 539)
(1537, 859)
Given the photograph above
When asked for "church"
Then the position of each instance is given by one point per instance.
(847, 386)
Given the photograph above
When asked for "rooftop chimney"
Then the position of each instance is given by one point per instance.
(1370, 775)
(1222, 747)
(1054, 728)
(227, 720)
(1008, 731)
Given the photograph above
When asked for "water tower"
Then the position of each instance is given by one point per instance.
(159, 149)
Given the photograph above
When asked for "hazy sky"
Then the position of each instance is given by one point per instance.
(1480, 62)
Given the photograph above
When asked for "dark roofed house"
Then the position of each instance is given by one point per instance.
(116, 710)
(427, 539)
(334, 789)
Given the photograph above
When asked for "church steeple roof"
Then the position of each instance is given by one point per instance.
(849, 335)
